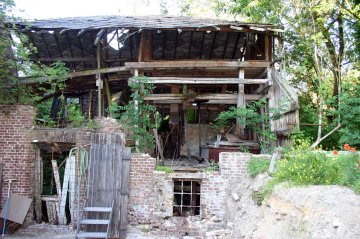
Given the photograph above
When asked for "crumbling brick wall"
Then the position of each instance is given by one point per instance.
(151, 194)
(16, 152)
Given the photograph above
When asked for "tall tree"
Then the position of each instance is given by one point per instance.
(320, 49)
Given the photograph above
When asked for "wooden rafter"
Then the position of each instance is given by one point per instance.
(236, 44)
(189, 50)
(202, 45)
(212, 45)
(225, 45)
(58, 45)
(46, 46)
(79, 35)
(176, 43)
(164, 44)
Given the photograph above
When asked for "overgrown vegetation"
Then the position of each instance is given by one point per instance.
(322, 45)
(213, 167)
(257, 165)
(18, 72)
(251, 117)
(165, 169)
(138, 117)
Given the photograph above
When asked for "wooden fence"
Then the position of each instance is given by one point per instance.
(108, 179)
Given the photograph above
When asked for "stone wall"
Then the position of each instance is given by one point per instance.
(151, 195)
(16, 152)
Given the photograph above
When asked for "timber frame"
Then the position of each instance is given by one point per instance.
(204, 65)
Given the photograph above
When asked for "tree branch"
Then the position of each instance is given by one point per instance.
(318, 141)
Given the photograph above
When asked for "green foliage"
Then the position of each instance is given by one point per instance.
(16, 66)
(252, 119)
(308, 167)
(138, 117)
(74, 115)
(165, 169)
(349, 111)
(213, 167)
(257, 165)
(304, 167)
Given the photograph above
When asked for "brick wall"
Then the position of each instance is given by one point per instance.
(151, 194)
(16, 152)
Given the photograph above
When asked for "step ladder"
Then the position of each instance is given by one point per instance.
(89, 221)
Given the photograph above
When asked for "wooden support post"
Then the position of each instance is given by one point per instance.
(99, 82)
(240, 129)
(90, 110)
(267, 47)
(136, 103)
(186, 130)
(174, 108)
(199, 125)
(145, 46)
(159, 147)
(38, 185)
(108, 93)
(56, 177)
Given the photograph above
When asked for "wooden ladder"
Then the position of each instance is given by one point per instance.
(90, 221)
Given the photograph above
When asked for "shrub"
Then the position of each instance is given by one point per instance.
(257, 166)
(303, 167)
(308, 167)
(165, 169)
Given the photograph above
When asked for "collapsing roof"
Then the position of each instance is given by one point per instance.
(142, 22)
(74, 41)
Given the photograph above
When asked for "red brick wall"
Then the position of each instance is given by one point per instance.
(16, 152)
(141, 178)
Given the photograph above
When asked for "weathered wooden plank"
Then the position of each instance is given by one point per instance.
(109, 180)
(125, 176)
(56, 177)
(196, 64)
(193, 80)
(37, 189)
(123, 212)
(240, 128)
(162, 97)
(117, 182)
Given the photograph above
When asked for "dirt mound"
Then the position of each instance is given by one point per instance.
(296, 212)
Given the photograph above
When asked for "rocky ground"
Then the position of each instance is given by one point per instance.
(312, 212)
(317, 212)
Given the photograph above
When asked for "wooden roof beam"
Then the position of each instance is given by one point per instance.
(161, 97)
(196, 64)
(193, 80)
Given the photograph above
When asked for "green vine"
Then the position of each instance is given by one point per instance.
(137, 117)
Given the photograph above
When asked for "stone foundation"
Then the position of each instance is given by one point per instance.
(151, 195)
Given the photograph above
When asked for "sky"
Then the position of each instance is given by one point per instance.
(45, 9)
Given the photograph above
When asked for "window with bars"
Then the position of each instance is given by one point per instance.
(186, 197)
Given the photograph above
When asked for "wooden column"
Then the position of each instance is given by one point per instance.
(174, 108)
(240, 129)
(271, 93)
(99, 82)
(38, 185)
(136, 103)
(186, 130)
(267, 47)
(145, 46)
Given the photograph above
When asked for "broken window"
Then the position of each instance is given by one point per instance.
(186, 197)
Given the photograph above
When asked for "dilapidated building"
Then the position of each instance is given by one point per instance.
(199, 67)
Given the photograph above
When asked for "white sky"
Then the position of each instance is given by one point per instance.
(44, 9)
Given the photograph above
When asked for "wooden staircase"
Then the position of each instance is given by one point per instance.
(84, 222)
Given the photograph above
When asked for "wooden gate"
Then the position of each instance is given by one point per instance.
(108, 178)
